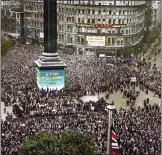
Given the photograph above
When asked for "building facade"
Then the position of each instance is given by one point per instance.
(12, 19)
(156, 13)
(89, 26)
(33, 20)
(100, 26)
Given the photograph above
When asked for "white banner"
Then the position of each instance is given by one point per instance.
(41, 35)
(101, 55)
(89, 53)
(95, 40)
(133, 79)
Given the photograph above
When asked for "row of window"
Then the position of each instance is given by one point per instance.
(38, 7)
(109, 12)
(93, 2)
(107, 21)
(38, 15)
(70, 19)
(15, 24)
(10, 14)
(10, 29)
(110, 31)
(33, 7)
(69, 28)
(81, 39)
(99, 21)
(10, 22)
(70, 10)
(36, 24)
(109, 41)
(35, 16)
(17, 16)
(126, 30)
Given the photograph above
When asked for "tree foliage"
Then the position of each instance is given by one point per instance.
(150, 35)
(127, 50)
(148, 20)
(66, 143)
(153, 35)
(5, 45)
(148, 16)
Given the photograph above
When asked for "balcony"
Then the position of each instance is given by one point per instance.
(31, 11)
(17, 8)
(28, 18)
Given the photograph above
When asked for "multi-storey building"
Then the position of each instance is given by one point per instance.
(12, 18)
(89, 26)
(156, 13)
(100, 26)
(33, 20)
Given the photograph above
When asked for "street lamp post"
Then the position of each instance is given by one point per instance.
(110, 110)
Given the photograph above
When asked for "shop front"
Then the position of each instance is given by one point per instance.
(106, 52)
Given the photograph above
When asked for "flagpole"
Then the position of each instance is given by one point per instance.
(108, 147)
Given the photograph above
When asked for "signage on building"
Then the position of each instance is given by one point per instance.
(41, 35)
(95, 40)
(102, 25)
(90, 53)
(101, 55)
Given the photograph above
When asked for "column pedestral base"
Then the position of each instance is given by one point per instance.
(50, 72)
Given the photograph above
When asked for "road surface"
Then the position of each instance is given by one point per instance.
(119, 101)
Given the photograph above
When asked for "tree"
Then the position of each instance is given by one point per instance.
(6, 45)
(148, 15)
(66, 143)
(148, 20)
(74, 143)
(153, 35)
(127, 50)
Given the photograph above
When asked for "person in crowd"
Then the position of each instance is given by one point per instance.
(34, 110)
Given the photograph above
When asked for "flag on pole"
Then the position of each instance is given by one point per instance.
(114, 142)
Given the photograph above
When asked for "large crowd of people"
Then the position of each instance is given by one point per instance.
(138, 129)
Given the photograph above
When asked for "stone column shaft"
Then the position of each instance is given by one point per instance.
(50, 26)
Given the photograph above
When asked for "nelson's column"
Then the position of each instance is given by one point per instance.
(50, 67)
